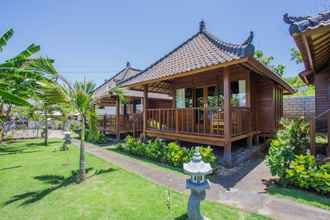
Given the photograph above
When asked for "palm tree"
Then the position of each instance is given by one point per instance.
(79, 97)
(82, 98)
(50, 98)
(119, 92)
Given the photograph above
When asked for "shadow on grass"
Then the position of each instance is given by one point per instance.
(182, 217)
(9, 168)
(42, 144)
(56, 182)
(15, 150)
(119, 151)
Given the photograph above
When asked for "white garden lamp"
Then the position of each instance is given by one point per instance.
(198, 183)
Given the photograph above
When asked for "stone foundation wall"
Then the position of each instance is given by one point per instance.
(302, 106)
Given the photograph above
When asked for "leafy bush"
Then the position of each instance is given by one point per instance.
(305, 173)
(208, 155)
(287, 158)
(177, 155)
(170, 154)
(290, 140)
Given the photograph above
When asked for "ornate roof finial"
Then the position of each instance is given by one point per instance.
(291, 19)
(202, 26)
(128, 64)
(249, 39)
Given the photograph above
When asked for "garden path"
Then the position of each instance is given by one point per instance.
(243, 195)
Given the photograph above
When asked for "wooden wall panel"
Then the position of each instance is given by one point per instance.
(265, 105)
(159, 103)
(322, 84)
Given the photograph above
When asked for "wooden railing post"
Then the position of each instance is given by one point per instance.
(312, 137)
(227, 117)
(117, 118)
(145, 104)
(104, 123)
(176, 121)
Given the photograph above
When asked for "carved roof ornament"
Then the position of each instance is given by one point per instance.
(249, 39)
(292, 19)
(301, 24)
(202, 26)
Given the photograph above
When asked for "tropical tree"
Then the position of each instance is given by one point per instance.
(16, 82)
(50, 99)
(296, 55)
(119, 93)
(268, 61)
(81, 96)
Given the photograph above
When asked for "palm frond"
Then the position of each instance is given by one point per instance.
(119, 92)
(13, 99)
(5, 38)
(25, 54)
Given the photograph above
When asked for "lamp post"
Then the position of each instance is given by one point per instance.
(198, 183)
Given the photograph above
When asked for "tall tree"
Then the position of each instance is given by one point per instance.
(268, 61)
(296, 55)
(16, 82)
(82, 98)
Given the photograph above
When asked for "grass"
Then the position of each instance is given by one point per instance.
(301, 196)
(37, 182)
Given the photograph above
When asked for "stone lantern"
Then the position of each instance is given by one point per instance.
(198, 183)
(67, 140)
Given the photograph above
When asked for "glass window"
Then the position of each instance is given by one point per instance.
(215, 97)
(184, 98)
(238, 93)
(180, 96)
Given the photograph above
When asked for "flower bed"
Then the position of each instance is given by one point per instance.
(170, 154)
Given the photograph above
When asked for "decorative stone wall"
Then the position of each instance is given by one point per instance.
(300, 106)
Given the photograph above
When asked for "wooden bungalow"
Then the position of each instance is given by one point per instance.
(221, 94)
(312, 37)
(117, 118)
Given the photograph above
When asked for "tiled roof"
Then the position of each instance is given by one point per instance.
(125, 73)
(301, 24)
(201, 50)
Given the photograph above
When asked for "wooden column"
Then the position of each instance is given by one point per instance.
(227, 117)
(312, 137)
(328, 148)
(117, 118)
(145, 107)
(249, 104)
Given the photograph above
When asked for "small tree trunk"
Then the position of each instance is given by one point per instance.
(82, 163)
(46, 128)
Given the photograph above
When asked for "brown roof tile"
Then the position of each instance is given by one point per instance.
(126, 73)
(199, 51)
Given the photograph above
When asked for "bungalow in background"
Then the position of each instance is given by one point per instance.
(312, 37)
(221, 93)
(117, 118)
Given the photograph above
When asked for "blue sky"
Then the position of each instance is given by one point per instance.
(94, 39)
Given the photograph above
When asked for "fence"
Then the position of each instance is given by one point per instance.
(299, 106)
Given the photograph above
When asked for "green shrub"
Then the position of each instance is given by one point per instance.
(208, 155)
(290, 140)
(170, 154)
(279, 158)
(10, 139)
(305, 173)
(177, 155)
(155, 150)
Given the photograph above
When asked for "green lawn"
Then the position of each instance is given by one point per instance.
(301, 196)
(36, 182)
